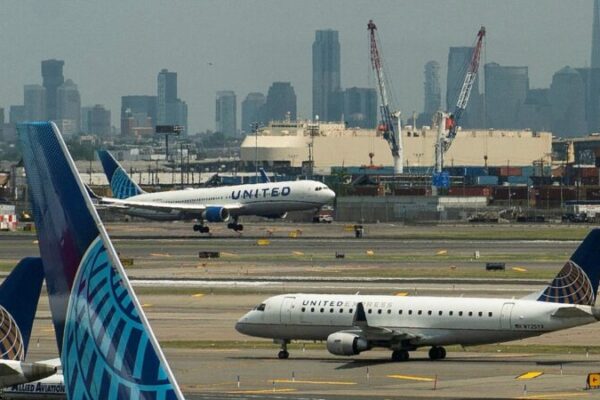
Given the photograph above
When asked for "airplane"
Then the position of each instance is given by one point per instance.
(218, 204)
(351, 324)
(19, 296)
(107, 348)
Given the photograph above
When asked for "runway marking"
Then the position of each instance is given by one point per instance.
(146, 305)
(160, 254)
(554, 396)
(263, 242)
(412, 378)
(529, 375)
(401, 294)
(198, 295)
(313, 382)
(297, 253)
(262, 391)
(370, 253)
(441, 253)
(519, 269)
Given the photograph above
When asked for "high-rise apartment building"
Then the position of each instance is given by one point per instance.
(360, 107)
(326, 75)
(226, 113)
(52, 75)
(281, 102)
(34, 101)
(68, 107)
(252, 110)
(459, 59)
(505, 92)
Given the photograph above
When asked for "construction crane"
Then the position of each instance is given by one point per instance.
(465, 91)
(388, 119)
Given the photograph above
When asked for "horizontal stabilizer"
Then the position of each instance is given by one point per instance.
(570, 312)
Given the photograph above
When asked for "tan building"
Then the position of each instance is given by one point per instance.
(333, 144)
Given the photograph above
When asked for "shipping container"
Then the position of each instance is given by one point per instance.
(510, 171)
(469, 191)
(519, 180)
(486, 180)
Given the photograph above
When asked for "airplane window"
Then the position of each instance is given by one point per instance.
(440, 312)
(322, 309)
(420, 312)
(369, 311)
(341, 310)
(400, 312)
(451, 313)
(429, 312)
(389, 311)
(350, 311)
(260, 307)
(312, 309)
(489, 314)
(409, 312)
(480, 314)
(331, 310)
(470, 313)
(303, 309)
(378, 311)
(460, 313)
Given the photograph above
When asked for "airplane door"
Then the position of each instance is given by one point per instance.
(505, 315)
(287, 306)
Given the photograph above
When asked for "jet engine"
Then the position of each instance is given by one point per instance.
(346, 344)
(216, 214)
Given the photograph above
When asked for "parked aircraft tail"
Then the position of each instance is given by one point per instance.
(120, 182)
(19, 295)
(107, 348)
(577, 282)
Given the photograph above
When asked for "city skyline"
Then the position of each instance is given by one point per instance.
(110, 56)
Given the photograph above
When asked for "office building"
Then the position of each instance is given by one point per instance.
(96, 120)
(433, 90)
(567, 99)
(142, 108)
(16, 114)
(252, 110)
(52, 75)
(34, 97)
(226, 113)
(68, 107)
(170, 109)
(360, 108)
(536, 111)
(326, 75)
(459, 59)
(505, 92)
(281, 102)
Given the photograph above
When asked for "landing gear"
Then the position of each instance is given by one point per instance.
(201, 228)
(283, 353)
(235, 225)
(400, 355)
(437, 353)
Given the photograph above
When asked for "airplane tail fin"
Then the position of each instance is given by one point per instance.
(19, 296)
(120, 182)
(106, 345)
(577, 282)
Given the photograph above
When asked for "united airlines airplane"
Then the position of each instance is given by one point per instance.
(106, 346)
(351, 324)
(220, 204)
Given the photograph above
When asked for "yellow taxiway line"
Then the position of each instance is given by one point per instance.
(529, 375)
(412, 378)
(313, 382)
(553, 396)
(261, 391)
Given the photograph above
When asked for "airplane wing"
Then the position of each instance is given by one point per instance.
(375, 333)
(193, 208)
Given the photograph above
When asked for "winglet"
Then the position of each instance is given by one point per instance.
(263, 175)
(106, 345)
(120, 182)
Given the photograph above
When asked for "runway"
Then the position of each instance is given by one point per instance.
(193, 304)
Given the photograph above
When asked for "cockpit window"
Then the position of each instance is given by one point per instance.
(260, 307)
(317, 188)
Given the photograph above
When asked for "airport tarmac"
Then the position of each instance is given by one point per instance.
(195, 323)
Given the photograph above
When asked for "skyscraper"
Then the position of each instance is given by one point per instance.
(360, 107)
(596, 36)
(281, 102)
(252, 110)
(35, 102)
(170, 109)
(98, 120)
(226, 113)
(505, 92)
(567, 99)
(433, 91)
(68, 107)
(52, 74)
(458, 62)
(326, 74)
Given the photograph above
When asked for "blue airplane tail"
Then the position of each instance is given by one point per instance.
(577, 282)
(107, 348)
(121, 184)
(19, 296)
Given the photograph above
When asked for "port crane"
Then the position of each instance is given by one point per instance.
(450, 122)
(388, 118)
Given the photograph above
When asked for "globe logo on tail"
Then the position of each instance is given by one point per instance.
(571, 286)
(11, 341)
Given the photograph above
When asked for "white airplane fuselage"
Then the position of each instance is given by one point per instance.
(50, 388)
(425, 321)
(263, 199)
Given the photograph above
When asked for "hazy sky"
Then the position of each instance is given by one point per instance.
(116, 47)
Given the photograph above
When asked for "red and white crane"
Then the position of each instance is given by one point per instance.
(388, 119)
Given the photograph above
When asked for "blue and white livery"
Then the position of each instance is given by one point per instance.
(107, 348)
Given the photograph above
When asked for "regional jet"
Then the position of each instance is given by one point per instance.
(352, 324)
(106, 346)
(219, 204)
